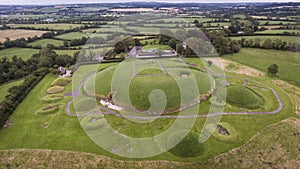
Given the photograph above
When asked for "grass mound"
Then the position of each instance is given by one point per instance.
(92, 122)
(187, 147)
(140, 87)
(55, 89)
(60, 82)
(52, 98)
(232, 136)
(49, 109)
(243, 97)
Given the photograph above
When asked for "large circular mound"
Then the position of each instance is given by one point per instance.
(243, 97)
(144, 82)
(55, 89)
(187, 147)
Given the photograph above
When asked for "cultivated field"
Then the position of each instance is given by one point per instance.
(14, 34)
(277, 31)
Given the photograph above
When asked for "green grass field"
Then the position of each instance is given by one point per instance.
(277, 31)
(61, 132)
(44, 42)
(66, 52)
(293, 39)
(4, 88)
(24, 53)
(288, 62)
(49, 26)
(276, 22)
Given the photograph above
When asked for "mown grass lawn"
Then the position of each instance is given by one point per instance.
(288, 62)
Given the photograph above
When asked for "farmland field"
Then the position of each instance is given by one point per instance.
(4, 88)
(44, 42)
(14, 34)
(49, 26)
(277, 31)
(24, 53)
(276, 22)
(79, 35)
(288, 62)
(293, 39)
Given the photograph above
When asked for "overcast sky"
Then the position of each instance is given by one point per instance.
(47, 2)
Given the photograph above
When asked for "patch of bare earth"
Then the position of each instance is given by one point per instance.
(294, 92)
(14, 34)
(233, 67)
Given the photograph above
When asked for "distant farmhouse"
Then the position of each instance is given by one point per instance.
(138, 52)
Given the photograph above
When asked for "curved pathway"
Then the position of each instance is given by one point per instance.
(107, 111)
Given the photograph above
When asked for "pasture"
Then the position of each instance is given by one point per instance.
(44, 42)
(24, 53)
(272, 22)
(14, 34)
(288, 62)
(277, 31)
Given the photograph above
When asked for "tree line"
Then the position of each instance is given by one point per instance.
(276, 44)
(33, 69)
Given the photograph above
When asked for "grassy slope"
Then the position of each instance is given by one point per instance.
(24, 53)
(4, 88)
(288, 62)
(272, 147)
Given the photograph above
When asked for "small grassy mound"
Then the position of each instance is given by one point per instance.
(55, 89)
(92, 122)
(52, 98)
(187, 147)
(232, 136)
(243, 97)
(49, 109)
(60, 82)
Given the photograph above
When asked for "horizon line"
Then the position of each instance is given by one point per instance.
(114, 2)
